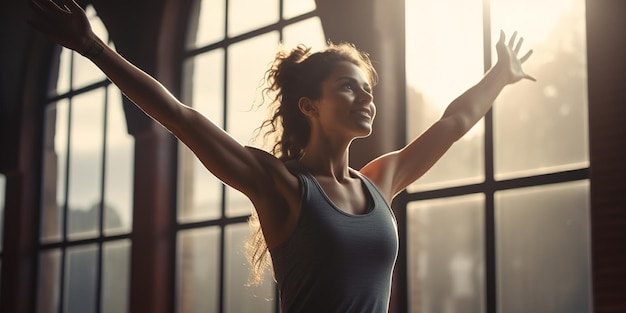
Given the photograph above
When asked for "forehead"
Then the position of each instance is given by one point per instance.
(349, 70)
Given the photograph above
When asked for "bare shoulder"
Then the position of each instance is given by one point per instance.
(277, 200)
(277, 178)
(382, 172)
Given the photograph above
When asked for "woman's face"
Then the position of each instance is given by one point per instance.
(346, 105)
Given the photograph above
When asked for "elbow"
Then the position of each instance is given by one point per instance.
(457, 125)
(178, 118)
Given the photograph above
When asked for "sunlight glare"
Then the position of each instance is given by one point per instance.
(436, 53)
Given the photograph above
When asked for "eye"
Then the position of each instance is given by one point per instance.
(347, 86)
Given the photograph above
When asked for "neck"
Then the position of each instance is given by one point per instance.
(326, 158)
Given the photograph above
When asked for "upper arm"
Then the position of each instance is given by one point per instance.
(394, 171)
(231, 162)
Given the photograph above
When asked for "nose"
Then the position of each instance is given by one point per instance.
(366, 96)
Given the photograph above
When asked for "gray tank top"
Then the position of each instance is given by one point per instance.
(334, 261)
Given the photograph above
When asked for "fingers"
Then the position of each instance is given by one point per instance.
(529, 77)
(48, 6)
(519, 45)
(526, 56)
(501, 39)
(512, 40)
(72, 5)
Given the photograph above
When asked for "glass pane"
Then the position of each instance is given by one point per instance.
(239, 296)
(543, 248)
(63, 81)
(237, 204)
(80, 279)
(118, 191)
(198, 270)
(84, 71)
(2, 201)
(245, 82)
(85, 174)
(542, 127)
(308, 32)
(199, 192)
(446, 254)
(115, 276)
(49, 281)
(54, 170)
(247, 15)
(293, 8)
(438, 71)
(210, 23)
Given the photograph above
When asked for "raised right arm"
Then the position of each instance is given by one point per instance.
(221, 154)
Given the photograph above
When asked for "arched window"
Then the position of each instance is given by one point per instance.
(230, 45)
(86, 208)
(501, 223)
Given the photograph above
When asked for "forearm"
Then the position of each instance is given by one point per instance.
(145, 91)
(474, 103)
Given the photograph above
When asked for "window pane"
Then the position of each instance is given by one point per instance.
(239, 297)
(85, 174)
(245, 78)
(198, 270)
(293, 8)
(210, 23)
(542, 127)
(438, 71)
(446, 254)
(308, 32)
(247, 15)
(237, 204)
(54, 170)
(115, 276)
(199, 191)
(85, 72)
(48, 282)
(80, 279)
(63, 81)
(543, 249)
(118, 192)
(245, 82)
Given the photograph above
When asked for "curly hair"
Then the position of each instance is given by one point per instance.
(295, 74)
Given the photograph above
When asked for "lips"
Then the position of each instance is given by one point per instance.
(363, 112)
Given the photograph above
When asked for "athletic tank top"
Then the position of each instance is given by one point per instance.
(334, 261)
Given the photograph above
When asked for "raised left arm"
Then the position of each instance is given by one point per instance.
(394, 171)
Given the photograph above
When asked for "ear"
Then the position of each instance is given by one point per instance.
(307, 107)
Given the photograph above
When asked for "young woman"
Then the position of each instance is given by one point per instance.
(327, 227)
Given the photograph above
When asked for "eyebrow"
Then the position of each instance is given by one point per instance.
(352, 79)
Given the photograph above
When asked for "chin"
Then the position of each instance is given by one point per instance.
(364, 134)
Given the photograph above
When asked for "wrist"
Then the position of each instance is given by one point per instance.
(500, 74)
(92, 48)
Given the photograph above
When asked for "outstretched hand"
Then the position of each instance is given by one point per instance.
(508, 58)
(66, 25)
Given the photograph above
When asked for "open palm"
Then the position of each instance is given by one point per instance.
(509, 60)
(67, 25)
